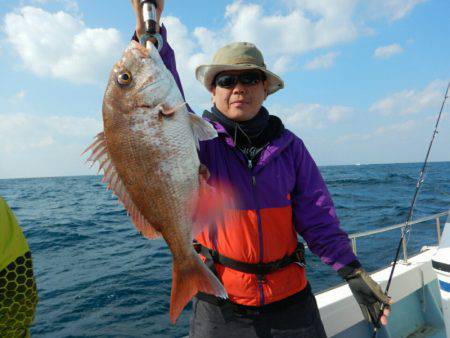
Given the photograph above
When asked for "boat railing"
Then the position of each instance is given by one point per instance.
(436, 217)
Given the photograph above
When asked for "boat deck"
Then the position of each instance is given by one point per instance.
(416, 311)
(428, 332)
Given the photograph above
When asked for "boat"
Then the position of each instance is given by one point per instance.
(418, 309)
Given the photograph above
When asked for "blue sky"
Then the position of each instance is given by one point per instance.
(364, 79)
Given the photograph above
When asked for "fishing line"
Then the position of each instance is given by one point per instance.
(407, 227)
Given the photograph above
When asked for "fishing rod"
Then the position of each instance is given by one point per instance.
(149, 16)
(407, 227)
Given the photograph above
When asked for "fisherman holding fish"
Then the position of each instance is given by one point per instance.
(254, 259)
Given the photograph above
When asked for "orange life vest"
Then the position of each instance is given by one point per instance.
(245, 236)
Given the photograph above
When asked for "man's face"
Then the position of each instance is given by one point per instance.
(240, 102)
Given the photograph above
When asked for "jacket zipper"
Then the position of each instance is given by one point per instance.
(260, 237)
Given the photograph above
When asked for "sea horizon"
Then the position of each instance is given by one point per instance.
(319, 165)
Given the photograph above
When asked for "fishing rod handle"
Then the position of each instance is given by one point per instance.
(149, 15)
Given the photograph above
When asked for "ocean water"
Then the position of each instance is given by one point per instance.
(97, 277)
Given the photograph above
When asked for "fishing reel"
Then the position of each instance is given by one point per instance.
(149, 16)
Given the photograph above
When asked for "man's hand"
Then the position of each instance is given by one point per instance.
(369, 296)
(140, 26)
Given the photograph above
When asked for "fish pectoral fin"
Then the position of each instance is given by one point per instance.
(170, 111)
(202, 129)
(188, 279)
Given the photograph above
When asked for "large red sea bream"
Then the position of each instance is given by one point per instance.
(147, 152)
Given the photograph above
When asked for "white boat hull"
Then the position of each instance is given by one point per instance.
(416, 311)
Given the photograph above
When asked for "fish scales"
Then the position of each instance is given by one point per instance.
(156, 170)
(149, 147)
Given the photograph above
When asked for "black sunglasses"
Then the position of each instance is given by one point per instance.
(225, 80)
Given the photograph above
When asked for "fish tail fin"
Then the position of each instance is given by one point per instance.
(187, 281)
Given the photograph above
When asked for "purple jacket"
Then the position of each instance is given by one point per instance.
(285, 168)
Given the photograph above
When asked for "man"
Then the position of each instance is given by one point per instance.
(18, 295)
(254, 249)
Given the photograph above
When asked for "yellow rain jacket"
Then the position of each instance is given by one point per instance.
(18, 295)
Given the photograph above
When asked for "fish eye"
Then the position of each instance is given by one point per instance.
(124, 78)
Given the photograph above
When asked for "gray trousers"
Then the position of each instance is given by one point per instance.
(300, 320)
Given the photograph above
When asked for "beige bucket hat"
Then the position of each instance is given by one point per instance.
(237, 56)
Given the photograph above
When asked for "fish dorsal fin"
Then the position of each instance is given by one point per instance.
(202, 129)
(100, 154)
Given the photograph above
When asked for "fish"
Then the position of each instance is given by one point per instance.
(148, 154)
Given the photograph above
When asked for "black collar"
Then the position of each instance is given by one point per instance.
(256, 132)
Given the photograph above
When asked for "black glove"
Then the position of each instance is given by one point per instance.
(367, 292)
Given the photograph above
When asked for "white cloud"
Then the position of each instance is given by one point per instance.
(386, 52)
(311, 115)
(338, 113)
(403, 127)
(283, 64)
(322, 61)
(396, 129)
(22, 132)
(61, 46)
(391, 9)
(35, 145)
(308, 26)
(444, 116)
(412, 101)
(19, 96)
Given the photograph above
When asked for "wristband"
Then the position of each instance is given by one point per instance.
(347, 270)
